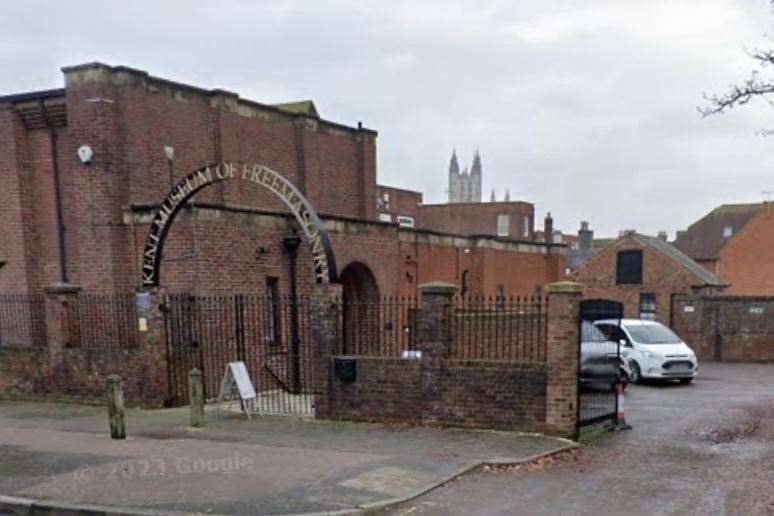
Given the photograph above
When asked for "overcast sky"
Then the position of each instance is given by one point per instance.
(585, 108)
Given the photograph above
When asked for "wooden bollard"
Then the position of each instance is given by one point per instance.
(196, 395)
(115, 398)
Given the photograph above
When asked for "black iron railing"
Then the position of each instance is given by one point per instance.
(102, 321)
(384, 326)
(498, 328)
(22, 320)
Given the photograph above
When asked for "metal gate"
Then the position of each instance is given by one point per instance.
(598, 361)
(270, 334)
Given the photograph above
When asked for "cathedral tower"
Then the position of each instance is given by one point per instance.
(464, 186)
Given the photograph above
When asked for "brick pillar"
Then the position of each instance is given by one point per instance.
(59, 329)
(434, 336)
(325, 318)
(152, 342)
(562, 357)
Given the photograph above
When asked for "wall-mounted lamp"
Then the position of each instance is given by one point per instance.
(85, 154)
(169, 152)
(261, 250)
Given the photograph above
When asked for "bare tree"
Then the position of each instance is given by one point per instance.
(757, 85)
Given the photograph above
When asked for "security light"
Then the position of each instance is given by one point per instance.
(169, 152)
(85, 154)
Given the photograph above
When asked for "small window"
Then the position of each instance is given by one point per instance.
(526, 226)
(503, 223)
(406, 222)
(272, 311)
(648, 307)
(385, 217)
(728, 231)
(629, 268)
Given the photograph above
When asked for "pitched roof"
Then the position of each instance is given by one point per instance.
(704, 239)
(682, 259)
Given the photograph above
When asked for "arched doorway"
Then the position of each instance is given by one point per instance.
(358, 283)
(361, 308)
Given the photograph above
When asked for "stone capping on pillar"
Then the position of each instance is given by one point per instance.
(564, 287)
(438, 288)
(62, 288)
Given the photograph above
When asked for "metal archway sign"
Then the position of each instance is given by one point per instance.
(323, 259)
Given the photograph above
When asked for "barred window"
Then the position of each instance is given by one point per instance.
(648, 306)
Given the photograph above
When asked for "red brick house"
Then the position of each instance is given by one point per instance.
(644, 273)
(735, 242)
(64, 220)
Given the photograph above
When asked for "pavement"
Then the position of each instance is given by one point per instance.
(703, 448)
(62, 454)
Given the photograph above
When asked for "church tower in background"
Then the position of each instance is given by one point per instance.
(464, 186)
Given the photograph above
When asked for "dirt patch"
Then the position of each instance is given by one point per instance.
(570, 459)
(743, 429)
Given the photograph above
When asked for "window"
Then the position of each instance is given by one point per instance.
(728, 231)
(406, 222)
(629, 268)
(272, 310)
(526, 226)
(503, 223)
(385, 217)
(648, 307)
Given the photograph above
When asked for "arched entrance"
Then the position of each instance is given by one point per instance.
(361, 307)
(323, 259)
(358, 283)
(269, 334)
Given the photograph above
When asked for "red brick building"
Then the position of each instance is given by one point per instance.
(644, 273)
(64, 220)
(735, 242)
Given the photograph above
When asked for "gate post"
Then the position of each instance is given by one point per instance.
(152, 343)
(324, 318)
(59, 327)
(434, 335)
(562, 357)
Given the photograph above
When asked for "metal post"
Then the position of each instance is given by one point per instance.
(115, 397)
(196, 395)
(291, 243)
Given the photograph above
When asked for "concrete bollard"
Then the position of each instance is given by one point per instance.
(115, 398)
(196, 394)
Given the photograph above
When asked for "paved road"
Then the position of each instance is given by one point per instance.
(705, 448)
(269, 465)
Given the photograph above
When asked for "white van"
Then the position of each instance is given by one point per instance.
(652, 350)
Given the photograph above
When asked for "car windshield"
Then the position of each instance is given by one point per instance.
(652, 334)
(590, 333)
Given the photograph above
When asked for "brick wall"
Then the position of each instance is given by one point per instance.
(747, 259)
(479, 218)
(661, 277)
(127, 117)
(728, 328)
(504, 394)
(472, 394)
(397, 201)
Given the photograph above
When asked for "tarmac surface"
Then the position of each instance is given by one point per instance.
(268, 465)
(704, 448)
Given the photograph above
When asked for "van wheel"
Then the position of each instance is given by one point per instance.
(635, 377)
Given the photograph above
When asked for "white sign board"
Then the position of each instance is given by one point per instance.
(237, 381)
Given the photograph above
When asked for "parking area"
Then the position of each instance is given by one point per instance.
(703, 448)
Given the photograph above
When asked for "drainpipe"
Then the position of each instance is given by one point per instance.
(57, 195)
(291, 243)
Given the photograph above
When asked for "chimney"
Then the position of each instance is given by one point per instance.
(548, 229)
(663, 235)
(585, 236)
